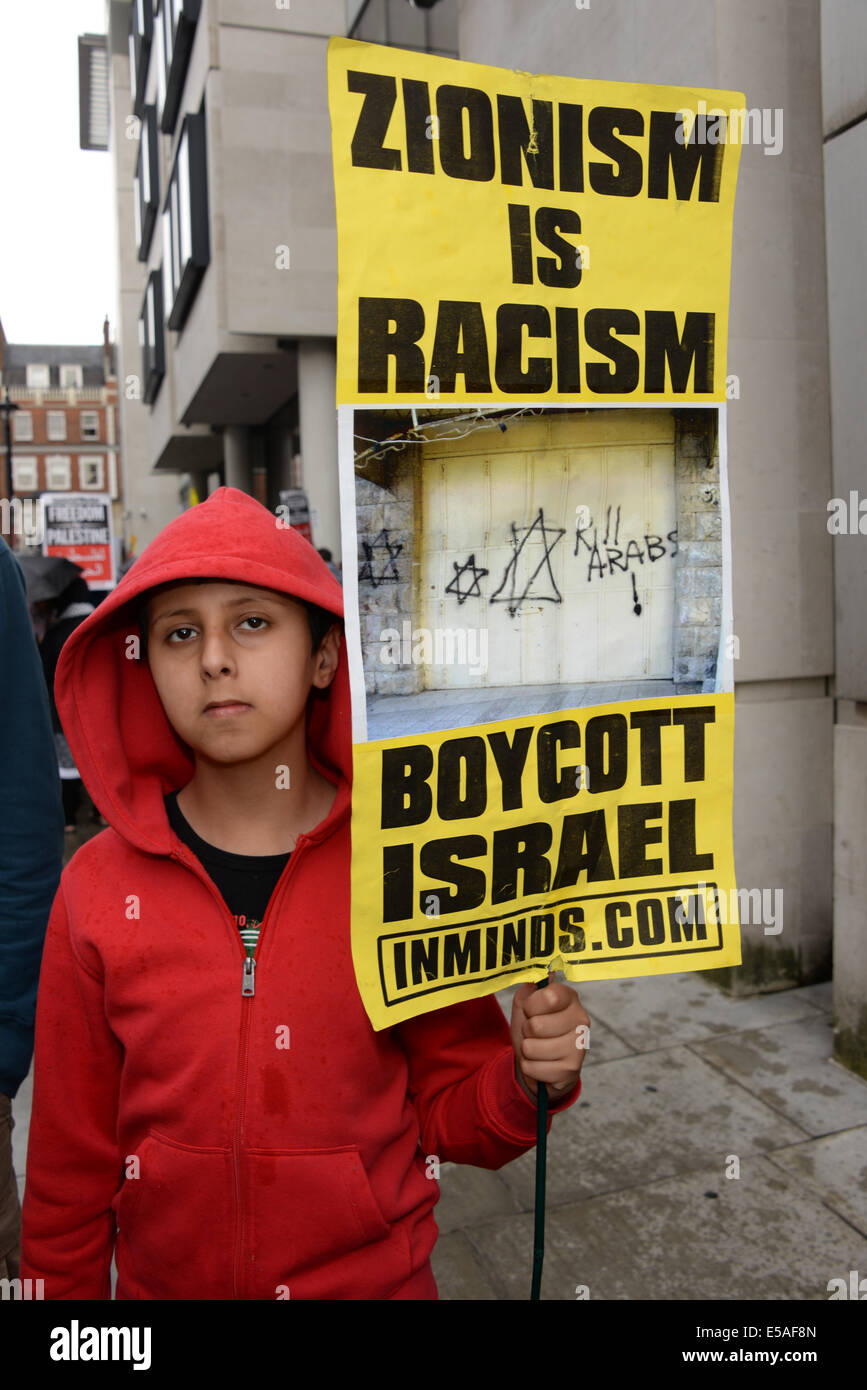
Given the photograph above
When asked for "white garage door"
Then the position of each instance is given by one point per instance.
(559, 538)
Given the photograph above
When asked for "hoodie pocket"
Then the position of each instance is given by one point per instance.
(176, 1221)
(316, 1229)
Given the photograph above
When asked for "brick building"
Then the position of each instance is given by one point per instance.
(65, 430)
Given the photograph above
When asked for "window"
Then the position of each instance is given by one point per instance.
(140, 41)
(91, 472)
(136, 208)
(151, 337)
(56, 424)
(161, 60)
(22, 425)
(90, 424)
(146, 182)
(178, 29)
(57, 471)
(25, 476)
(170, 275)
(187, 209)
(38, 375)
(71, 376)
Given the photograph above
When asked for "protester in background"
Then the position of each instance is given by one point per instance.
(31, 860)
(40, 618)
(329, 560)
(71, 608)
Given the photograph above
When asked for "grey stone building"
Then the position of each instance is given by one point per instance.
(219, 141)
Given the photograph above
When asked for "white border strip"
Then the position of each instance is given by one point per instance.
(349, 558)
(725, 667)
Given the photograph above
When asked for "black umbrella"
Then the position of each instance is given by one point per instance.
(47, 576)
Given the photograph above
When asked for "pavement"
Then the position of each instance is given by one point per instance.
(396, 716)
(717, 1152)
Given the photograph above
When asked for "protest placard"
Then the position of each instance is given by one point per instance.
(510, 236)
(539, 615)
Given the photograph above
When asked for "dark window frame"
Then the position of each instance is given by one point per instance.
(189, 175)
(177, 31)
(153, 352)
(140, 45)
(148, 157)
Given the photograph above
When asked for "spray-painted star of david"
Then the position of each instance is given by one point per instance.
(468, 570)
(387, 569)
(539, 532)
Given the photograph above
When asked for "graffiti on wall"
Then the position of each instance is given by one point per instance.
(465, 582)
(521, 580)
(379, 565)
(608, 554)
(528, 575)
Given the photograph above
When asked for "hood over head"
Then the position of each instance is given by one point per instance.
(128, 754)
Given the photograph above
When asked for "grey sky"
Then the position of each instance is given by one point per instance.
(57, 244)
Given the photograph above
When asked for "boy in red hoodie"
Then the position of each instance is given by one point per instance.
(210, 1102)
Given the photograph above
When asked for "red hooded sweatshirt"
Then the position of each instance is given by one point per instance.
(165, 1121)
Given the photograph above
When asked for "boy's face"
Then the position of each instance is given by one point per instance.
(239, 646)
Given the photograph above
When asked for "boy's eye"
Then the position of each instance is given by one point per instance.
(253, 618)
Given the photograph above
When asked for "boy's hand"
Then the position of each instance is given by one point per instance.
(547, 1035)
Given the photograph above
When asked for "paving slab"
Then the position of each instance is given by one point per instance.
(648, 1117)
(459, 1273)
(790, 1068)
(390, 715)
(762, 1236)
(661, 1010)
(822, 995)
(835, 1170)
(469, 1194)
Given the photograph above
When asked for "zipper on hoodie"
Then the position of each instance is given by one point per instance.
(185, 856)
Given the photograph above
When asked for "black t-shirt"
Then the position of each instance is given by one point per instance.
(246, 881)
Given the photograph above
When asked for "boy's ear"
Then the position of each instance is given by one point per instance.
(326, 657)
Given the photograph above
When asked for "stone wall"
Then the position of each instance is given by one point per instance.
(386, 517)
(698, 564)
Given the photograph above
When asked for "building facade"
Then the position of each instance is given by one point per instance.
(65, 435)
(219, 140)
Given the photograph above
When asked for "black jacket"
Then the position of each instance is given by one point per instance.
(31, 824)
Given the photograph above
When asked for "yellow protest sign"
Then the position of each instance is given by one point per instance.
(597, 841)
(505, 236)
